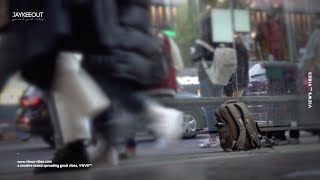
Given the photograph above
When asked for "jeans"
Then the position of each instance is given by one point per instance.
(207, 89)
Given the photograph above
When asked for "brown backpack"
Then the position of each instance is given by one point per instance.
(236, 127)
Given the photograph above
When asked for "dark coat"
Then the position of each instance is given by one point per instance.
(138, 55)
(241, 79)
(117, 29)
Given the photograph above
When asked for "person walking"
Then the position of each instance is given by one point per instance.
(114, 29)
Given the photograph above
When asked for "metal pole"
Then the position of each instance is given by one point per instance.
(290, 31)
(233, 43)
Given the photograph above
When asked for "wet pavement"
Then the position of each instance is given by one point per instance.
(184, 161)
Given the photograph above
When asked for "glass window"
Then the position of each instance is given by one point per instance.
(279, 31)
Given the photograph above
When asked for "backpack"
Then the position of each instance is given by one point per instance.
(223, 66)
(236, 127)
(170, 81)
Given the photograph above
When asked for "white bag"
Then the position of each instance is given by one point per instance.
(77, 87)
(223, 66)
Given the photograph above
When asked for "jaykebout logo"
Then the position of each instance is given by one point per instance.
(28, 16)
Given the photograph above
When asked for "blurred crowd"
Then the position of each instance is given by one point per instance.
(102, 68)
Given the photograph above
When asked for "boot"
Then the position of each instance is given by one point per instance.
(74, 153)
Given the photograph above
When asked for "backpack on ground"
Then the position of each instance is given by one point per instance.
(236, 127)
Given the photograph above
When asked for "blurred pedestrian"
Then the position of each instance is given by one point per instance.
(131, 105)
(271, 37)
(114, 29)
(162, 90)
(168, 87)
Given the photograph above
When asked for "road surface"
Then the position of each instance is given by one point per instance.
(184, 160)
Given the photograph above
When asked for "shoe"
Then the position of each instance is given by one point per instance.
(103, 154)
(128, 154)
(279, 142)
(130, 150)
(166, 123)
(266, 142)
(71, 157)
(210, 144)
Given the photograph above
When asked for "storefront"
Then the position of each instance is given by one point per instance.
(296, 18)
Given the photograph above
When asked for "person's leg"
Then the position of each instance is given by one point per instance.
(279, 135)
(75, 103)
(210, 119)
(75, 106)
(204, 85)
(294, 136)
(279, 138)
(119, 120)
(216, 91)
(210, 90)
(130, 147)
(237, 93)
(213, 139)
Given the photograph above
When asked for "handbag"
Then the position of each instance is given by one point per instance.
(223, 66)
(77, 88)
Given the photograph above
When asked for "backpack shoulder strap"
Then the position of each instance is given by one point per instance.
(247, 118)
(205, 45)
(242, 130)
